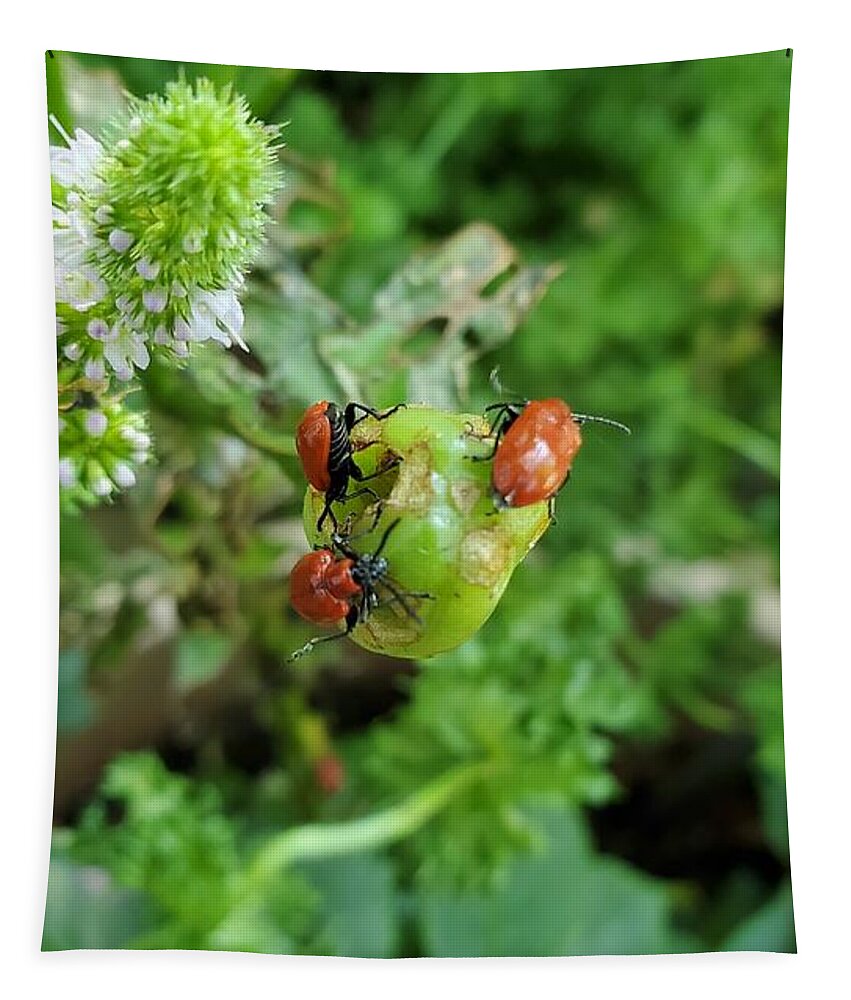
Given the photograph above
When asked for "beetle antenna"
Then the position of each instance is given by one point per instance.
(585, 418)
(386, 535)
(500, 389)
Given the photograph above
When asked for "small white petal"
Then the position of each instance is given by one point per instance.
(101, 487)
(139, 438)
(193, 243)
(161, 336)
(77, 165)
(98, 329)
(120, 240)
(123, 475)
(154, 299)
(147, 269)
(181, 330)
(95, 423)
(139, 353)
(140, 457)
(178, 291)
(73, 352)
(67, 472)
(94, 369)
(102, 214)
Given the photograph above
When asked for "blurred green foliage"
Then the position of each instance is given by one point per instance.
(611, 236)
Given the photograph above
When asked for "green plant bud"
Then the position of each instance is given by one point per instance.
(155, 225)
(450, 542)
(101, 449)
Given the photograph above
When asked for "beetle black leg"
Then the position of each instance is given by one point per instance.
(367, 411)
(484, 458)
(356, 474)
(353, 619)
(362, 611)
(408, 595)
(402, 599)
(327, 512)
(341, 538)
(359, 493)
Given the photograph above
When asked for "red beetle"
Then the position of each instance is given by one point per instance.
(329, 773)
(324, 446)
(337, 585)
(536, 443)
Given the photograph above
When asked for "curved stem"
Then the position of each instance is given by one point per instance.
(326, 840)
(272, 444)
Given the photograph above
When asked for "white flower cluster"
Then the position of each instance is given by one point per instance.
(154, 228)
(101, 448)
(120, 329)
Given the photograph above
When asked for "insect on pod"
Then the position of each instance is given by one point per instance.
(334, 586)
(535, 444)
(324, 445)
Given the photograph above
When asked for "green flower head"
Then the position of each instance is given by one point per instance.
(156, 225)
(101, 447)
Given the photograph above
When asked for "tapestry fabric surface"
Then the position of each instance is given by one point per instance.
(419, 458)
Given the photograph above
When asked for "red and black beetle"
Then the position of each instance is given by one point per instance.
(324, 446)
(534, 448)
(331, 586)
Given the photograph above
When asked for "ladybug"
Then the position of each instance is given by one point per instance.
(534, 448)
(324, 446)
(332, 586)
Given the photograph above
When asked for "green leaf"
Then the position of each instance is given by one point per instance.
(360, 902)
(283, 327)
(434, 318)
(771, 928)
(86, 909)
(201, 654)
(565, 901)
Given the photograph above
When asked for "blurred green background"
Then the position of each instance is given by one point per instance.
(610, 236)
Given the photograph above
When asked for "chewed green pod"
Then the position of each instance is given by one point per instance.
(450, 542)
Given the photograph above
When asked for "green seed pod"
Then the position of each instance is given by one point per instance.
(450, 543)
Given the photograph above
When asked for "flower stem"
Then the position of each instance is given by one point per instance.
(277, 445)
(326, 840)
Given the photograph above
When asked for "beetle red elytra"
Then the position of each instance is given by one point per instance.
(335, 586)
(323, 442)
(534, 448)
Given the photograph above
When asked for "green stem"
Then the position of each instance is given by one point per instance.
(445, 132)
(327, 840)
(57, 103)
(272, 444)
(750, 443)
